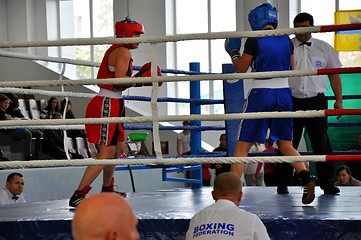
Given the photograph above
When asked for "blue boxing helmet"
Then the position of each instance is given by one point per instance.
(262, 15)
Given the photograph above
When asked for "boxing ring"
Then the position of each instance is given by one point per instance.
(165, 214)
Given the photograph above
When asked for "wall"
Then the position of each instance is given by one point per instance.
(45, 184)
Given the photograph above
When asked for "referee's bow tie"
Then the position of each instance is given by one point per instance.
(15, 197)
(305, 43)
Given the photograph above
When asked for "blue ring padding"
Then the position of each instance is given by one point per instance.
(199, 128)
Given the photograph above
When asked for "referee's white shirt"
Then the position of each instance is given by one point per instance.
(224, 220)
(7, 198)
(319, 55)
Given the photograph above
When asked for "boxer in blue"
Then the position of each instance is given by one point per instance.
(265, 54)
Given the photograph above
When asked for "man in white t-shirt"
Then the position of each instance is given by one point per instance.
(223, 219)
(12, 193)
(184, 140)
(308, 94)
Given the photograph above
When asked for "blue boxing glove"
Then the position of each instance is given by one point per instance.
(232, 46)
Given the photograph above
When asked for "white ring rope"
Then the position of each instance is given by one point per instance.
(172, 161)
(167, 118)
(48, 59)
(46, 92)
(159, 39)
(201, 77)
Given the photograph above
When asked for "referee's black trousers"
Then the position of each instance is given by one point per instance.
(316, 129)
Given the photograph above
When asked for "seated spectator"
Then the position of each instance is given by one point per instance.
(270, 174)
(53, 143)
(51, 108)
(250, 176)
(14, 111)
(227, 192)
(13, 108)
(221, 167)
(104, 216)
(12, 193)
(70, 115)
(18, 133)
(344, 177)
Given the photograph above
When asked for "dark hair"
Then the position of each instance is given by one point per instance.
(12, 175)
(3, 98)
(186, 123)
(222, 135)
(303, 17)
(63, 103)
(49, 104)
(341, 168)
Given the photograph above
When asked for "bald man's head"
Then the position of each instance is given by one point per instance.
(104, 216)
(227, 186)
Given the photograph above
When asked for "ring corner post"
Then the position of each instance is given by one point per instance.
(196, 136)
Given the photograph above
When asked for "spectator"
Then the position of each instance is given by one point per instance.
(270, 174)
(12, 193)
(206, 174)
(223, 167)
(308, 94)
(64, 104)
(14, 111)
(53, 143)
(13, 108)
(253, 175)
(184, 140)
(227, 193)
(344, 177)
(105, 216)
(355, 166)
(51, 108)
(18, 133)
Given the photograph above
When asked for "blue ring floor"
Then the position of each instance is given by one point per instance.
(165, 214)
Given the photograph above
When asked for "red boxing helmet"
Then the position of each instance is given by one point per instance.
(127, 27)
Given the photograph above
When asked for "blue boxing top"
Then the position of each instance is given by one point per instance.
(272, 53)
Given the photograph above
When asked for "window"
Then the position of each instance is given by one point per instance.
(203, 16)
(326, 17)
(79, 19)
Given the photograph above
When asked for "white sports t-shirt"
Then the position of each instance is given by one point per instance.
(319, 55)
(186, 142)
(224, 220)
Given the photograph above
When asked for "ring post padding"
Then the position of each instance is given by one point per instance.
(233, 92)
(195, 108)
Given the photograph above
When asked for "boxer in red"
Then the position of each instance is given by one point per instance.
(116, 63)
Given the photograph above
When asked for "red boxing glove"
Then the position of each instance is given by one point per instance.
(145, 71)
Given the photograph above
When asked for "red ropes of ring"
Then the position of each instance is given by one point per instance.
(338, 112)
(335, 158)
(342, 27)
(326, 71)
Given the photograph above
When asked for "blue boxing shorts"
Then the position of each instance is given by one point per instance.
(267, 100)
